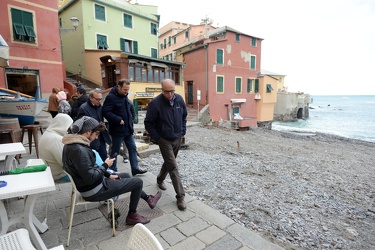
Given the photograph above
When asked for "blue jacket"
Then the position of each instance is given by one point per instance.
(116, 107)
(164, 120)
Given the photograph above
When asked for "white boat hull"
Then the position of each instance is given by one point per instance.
(25, 110)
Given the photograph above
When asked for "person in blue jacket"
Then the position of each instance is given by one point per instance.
(165, 122)
(116, 109)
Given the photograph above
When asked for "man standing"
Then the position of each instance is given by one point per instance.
(82, 98)
(116, 109)
(93, 108)
(166, 123)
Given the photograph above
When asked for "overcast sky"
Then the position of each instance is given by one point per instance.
(324, 47)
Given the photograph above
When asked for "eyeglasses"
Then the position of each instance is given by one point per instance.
(169, 91)
(98, 99)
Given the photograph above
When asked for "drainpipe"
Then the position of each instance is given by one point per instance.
(205, 46)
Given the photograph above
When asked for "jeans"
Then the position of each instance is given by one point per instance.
(114, 188)
(132, 149)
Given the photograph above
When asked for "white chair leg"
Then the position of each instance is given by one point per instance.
(72, 206)
(113, 217)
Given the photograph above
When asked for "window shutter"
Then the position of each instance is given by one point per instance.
(122, 44)
(220, 87)
(238, 85)
(135, 47)
(219, 56)
(30, 31)
(19, 29)
(252, 63)
(256, 86)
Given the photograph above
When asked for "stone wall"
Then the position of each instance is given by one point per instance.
(291, 106)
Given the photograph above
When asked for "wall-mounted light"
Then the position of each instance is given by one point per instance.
(75, 23)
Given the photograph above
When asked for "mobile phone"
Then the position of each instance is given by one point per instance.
(114, 155)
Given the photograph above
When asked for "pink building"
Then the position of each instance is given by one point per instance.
(223, 65)
(31, 29)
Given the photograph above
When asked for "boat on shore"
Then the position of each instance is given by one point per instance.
(21, 106)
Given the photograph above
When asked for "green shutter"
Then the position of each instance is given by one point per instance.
(128, 21)
(220, 84)
(19, 29)
(256, 86)
(122, 44)
(99, 12)
(16, 16)
(135, 47)
(238, 85)
(30, 31)
(153, 29)
(154, 53)
(219, 56)
(252, 62)
(269, 88)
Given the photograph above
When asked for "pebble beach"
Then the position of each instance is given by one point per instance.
(301, 191)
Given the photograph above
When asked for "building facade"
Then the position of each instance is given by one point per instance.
(106, 27)
(145, 74)
(34, 46)
(222, 71)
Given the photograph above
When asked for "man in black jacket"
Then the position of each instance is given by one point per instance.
(117, 111)
(93, 108)
(166, 124)
(94, 182)
(81, 99)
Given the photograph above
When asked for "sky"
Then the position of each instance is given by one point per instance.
(324, 47)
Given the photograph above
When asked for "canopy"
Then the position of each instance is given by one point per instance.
(4, 53)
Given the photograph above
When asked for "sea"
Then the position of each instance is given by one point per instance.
(351, 116)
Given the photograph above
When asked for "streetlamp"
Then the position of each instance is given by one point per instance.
(75, 23)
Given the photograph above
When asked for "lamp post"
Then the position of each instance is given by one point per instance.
(75, 23)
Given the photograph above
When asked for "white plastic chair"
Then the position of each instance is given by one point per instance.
(76, 199)
(142, 238)
(19, 239)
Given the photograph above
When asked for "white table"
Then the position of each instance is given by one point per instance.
(28, 185)
(10, 150)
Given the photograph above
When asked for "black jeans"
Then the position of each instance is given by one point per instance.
(113, 188)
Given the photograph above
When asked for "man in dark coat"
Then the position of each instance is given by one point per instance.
(116, 109)
(166, 124)
(81, 99)
(93, 108)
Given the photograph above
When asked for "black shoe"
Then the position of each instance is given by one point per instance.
(140, 171)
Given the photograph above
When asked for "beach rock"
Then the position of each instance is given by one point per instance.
(301, 192)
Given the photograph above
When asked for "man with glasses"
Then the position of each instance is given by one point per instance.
(93, 108)
(116, 109)
(166, 124)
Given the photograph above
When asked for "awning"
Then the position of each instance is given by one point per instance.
(161, 65)
(4, 53)
(238, 100)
